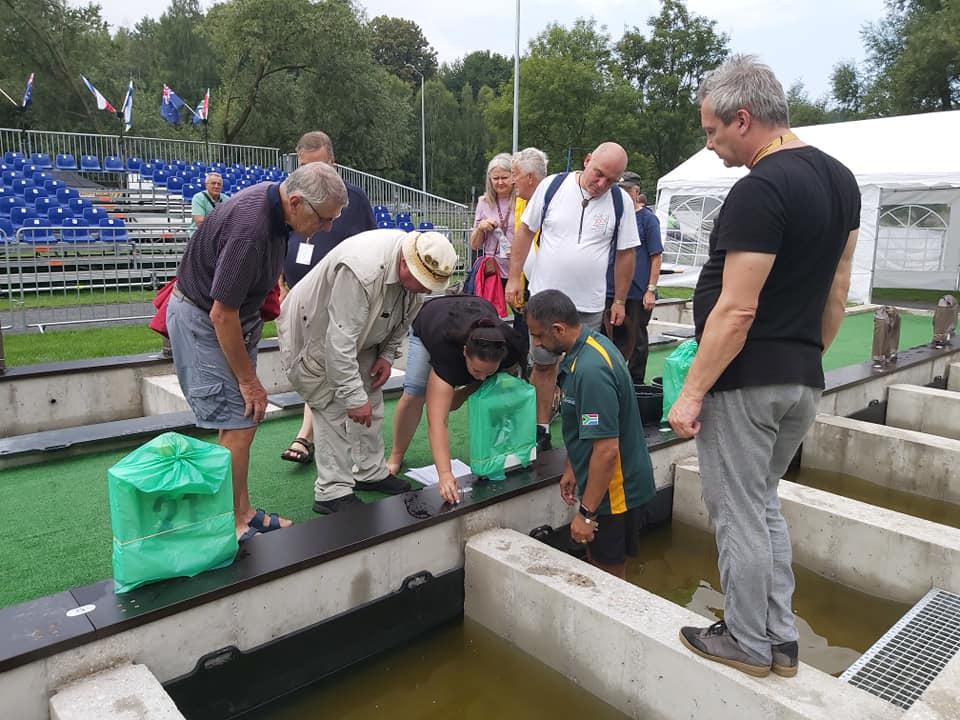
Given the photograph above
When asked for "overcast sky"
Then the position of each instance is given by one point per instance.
(801, 41)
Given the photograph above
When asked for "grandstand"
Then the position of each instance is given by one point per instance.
(73, 220)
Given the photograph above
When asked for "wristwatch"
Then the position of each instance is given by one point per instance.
(651, 288)
(618, 301)
(590, 516)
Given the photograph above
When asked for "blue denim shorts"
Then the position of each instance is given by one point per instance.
(418, 368)
(207, 382)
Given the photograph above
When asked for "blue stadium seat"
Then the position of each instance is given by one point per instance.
(41, 160)
(426, 226)
(178, 164)
(37, 230)
(112, 230)
(111, 163)
(20, 185)
(42, 206)
(158, 163)
(133, 164)
(66, 162)
(18, 163)
(93, 215)
(10, 156)
(31, 194)
(6, 230)
(89, 163)
(386, 224)
(147, 170)
(174, 184)
(30, 170)
(78, 204)
(58, 214)
(380, 209)
(65, 193)
(8, 203)
(189, 190)
(406, 225)
(160, 177)
(9, 176)
(6, 191)
(41, 176)
(52, 185)
(20, 215)
(80, 234)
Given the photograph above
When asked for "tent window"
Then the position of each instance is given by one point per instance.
(912, 237)
(690, 221)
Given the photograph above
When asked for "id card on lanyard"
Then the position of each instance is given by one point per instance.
(304, 253)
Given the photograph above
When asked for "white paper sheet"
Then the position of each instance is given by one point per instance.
(428, 475)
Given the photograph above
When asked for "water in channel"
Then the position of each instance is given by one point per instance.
(837, 624)
(462, 670)
(938, 511)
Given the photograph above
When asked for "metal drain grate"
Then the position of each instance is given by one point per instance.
(903, 663)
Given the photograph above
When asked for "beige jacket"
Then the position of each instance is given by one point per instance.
(350, 303)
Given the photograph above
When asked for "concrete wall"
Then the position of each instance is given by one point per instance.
(120, 693)
(953, 377)
(171, 646)
(875, 550)
(906, 460)
(924, 409)
(620, 642)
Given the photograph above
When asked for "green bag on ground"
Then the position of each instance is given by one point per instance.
(171, 508)
(503, 425)
(675, 369)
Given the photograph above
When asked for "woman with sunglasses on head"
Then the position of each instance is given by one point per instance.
(456, 342)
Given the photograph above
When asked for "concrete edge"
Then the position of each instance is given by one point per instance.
(124, 691)
(620, 642)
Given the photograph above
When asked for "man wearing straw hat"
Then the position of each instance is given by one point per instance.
(340, 331)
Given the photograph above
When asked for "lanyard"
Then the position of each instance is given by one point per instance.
(771, 146)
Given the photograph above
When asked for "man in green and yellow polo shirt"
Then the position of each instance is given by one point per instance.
(608, 465)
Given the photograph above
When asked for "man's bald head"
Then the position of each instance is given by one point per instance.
(603, 168)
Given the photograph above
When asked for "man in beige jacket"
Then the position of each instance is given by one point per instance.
(340, 331)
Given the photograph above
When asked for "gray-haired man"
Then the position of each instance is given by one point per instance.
(230, 265)
(768, 303)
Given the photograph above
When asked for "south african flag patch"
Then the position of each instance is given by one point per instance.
(589, 419)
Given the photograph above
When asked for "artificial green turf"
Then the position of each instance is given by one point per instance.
(62, 538)
(72, 297)
(896, 295)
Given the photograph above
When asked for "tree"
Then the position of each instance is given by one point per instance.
(847, 89)
(397, 43)
(913, 58)
(476, 70)
(666, 70)
(803, 110)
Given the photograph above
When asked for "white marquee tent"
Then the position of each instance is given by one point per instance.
(908, 169)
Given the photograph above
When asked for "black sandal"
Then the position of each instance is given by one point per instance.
(291, 454)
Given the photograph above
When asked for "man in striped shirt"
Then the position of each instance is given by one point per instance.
(608, 466)
(230, 265)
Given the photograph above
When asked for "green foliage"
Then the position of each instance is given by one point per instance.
(397, 44)
(477, 69)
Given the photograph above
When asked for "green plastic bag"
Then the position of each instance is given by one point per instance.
(171, 508)
(675, 369)
(503, 425)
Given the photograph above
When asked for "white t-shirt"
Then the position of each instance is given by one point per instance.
(578, 268)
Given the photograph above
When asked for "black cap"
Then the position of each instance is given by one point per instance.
(630, 179)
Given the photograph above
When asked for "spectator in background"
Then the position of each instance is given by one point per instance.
(303, 253)
(493, 225)
(631, 337)
(229, 266)
(203, 203)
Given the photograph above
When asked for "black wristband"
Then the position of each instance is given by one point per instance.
(589, 515)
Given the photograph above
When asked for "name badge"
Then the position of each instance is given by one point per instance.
(304, 253)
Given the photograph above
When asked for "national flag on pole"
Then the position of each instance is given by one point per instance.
(203, 109)
(102, 103)
(170, 106)
(127, 108)
(28, 93)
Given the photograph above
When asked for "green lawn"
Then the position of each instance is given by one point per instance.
(71, 297)
(895, 295)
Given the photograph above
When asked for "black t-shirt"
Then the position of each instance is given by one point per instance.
(442, 325)
(799, 205)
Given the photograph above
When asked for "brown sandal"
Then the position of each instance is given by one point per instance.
(291, 454)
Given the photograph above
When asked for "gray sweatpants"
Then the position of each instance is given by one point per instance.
(746, 441)
(346, 452)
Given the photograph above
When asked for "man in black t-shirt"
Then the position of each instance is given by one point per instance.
(769, 302)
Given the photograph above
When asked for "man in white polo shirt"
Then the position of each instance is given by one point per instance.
(580, 220)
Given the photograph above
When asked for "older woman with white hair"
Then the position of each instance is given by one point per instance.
(493, 226)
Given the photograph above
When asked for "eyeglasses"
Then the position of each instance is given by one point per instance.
(323, 220)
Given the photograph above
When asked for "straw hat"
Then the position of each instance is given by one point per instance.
(430, 258)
